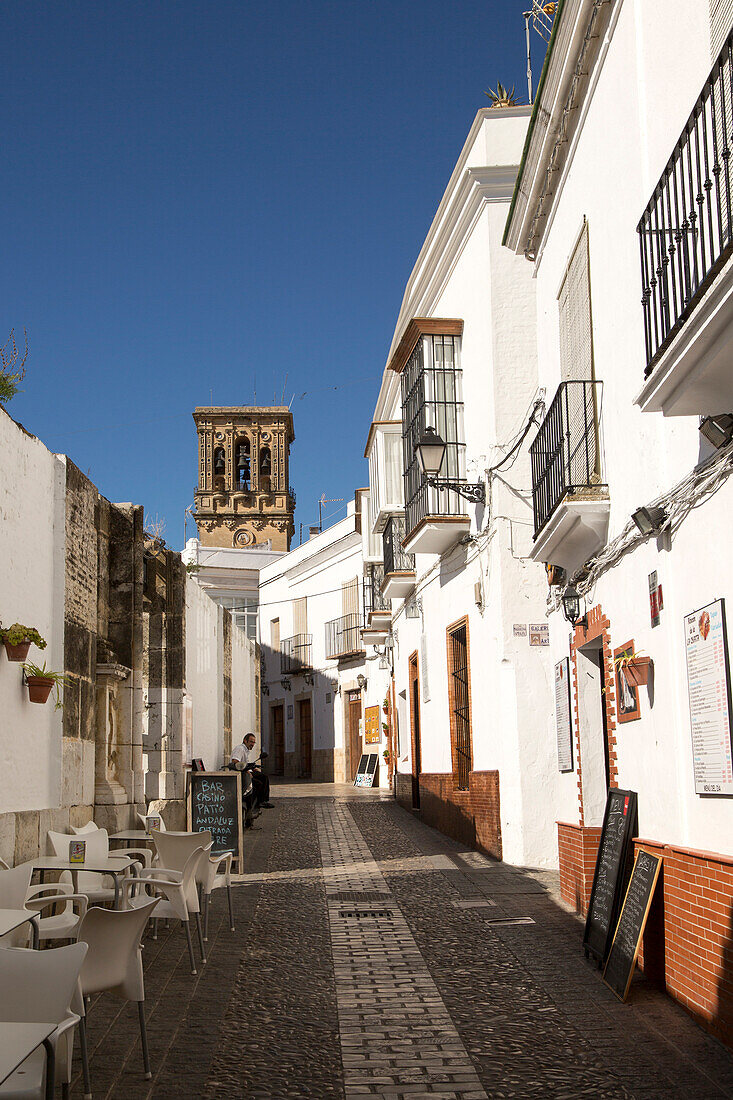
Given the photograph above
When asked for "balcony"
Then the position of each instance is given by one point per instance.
(295, 654)
(377, 612)
(569, 495)
(686, 242)
(399, 567)
(343, 638)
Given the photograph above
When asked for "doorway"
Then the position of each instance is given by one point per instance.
(415, 724)
(353, 721)
(595, 771)
(277, 727)
(306, 738)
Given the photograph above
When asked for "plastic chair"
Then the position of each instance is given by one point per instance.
(176, 893)
(173, 851)
(144, 821)
(114, 964)
(209, 877)
(91, 883)
(80, 830)
(41, 987)
(62, 925)
(14, 884)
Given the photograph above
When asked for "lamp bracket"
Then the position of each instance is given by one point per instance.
(475, 492)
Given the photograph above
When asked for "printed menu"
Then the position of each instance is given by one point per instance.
(708, 682)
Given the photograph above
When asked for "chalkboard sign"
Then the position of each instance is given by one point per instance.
(215, 805)
(630, 928)
(619, 826)
(367, 770)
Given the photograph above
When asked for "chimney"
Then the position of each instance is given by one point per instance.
(313, 531)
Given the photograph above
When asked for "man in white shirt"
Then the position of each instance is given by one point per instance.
(245, 758)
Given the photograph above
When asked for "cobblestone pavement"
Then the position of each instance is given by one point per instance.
(373, 957)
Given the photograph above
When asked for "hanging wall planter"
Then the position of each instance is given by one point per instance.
(39, 688)
(18, 639)
(636, 670)
(42, 681)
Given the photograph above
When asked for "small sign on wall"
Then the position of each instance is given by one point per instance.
(519, 630)
(562, 716)
(656, 600)
(539, 634)
(371, 725)
(290, 710)
(708, 683)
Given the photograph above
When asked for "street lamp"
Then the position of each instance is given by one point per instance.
(571, 605)
(430, 451)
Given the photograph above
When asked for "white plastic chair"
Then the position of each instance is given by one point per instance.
(144, 821)
(114, 964)
(14, 884)
(176, 892)
(41, 987)
(80, 830)
(92, 883)
(173, 851)
(209, 877)
(63, 924)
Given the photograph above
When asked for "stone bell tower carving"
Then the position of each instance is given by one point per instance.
(243, 497)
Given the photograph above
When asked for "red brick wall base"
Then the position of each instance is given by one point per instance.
(688, 941)
(470, 817)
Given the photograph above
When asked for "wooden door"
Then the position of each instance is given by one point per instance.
(415, 723)
(354, 718)
(278, 740)
(306, 737)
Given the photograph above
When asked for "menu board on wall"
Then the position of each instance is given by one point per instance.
(562, 716)
(708, 684)
(372, 734)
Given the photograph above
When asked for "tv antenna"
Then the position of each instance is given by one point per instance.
(325, 500)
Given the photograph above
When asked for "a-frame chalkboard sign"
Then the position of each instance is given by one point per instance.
(609, 879)
(630, 928)
(367, 770)
(214, 805)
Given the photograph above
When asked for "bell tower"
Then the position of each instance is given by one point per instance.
(243, 497)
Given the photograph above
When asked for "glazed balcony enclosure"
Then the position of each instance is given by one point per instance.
(343, 637)
(686, 242)
(295, 654)
(377, 611)
(569, 496)
(399, 566)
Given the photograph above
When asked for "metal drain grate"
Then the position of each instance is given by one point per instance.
(366, 914)
(501, 922)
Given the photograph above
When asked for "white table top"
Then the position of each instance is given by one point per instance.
(114, 864)
(131, 834)
(17, 1042)
(10, 919)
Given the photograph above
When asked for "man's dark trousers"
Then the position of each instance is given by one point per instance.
(261, 784)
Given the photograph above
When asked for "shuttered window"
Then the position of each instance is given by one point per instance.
(721, 21)
(300, 616)
(350, 597)
(460, 704)
(275, 635)
(576, 330)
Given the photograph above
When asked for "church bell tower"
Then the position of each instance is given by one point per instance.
(243, 496)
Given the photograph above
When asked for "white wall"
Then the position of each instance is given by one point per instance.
(32, 549)
(204, 673)
(656, 64)
(244, 664)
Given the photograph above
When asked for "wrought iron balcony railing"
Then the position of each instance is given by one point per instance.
(343, 636)
(566, 453)
(395, 558)
(372, 591)
(685, 231)
(295, 654)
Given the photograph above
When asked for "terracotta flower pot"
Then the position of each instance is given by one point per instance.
(39, 688)
(17, 652)
(637, 671)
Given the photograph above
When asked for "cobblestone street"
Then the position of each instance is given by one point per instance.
(374, 957)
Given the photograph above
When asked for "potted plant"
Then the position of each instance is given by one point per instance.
(502, 97)
(41, 682)
(18, 639)
(635, 668)
(385, 704)
(387, 756)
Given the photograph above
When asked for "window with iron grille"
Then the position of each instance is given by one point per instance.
(432, 397)
(460, 703)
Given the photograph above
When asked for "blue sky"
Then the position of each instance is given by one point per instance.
(198, 197)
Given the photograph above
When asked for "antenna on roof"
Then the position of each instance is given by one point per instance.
(285, 383)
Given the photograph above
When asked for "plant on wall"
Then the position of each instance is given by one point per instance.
(12, 367)
(502, 97)
(41, 682)
(18, 639)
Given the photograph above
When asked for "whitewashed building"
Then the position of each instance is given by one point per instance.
(322, 692)
(460, 603)
(623, 211)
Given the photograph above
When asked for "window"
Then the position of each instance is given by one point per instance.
(576, 330)
(300, 616)
(460, 703)
(243, 464)
(243, 610)
(275, 635)
(721, 19)
(432, 397)
(219, 469)
(350, 597)
(265, 469)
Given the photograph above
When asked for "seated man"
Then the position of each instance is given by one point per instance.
(245, 758)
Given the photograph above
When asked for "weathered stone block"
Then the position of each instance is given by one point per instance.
(71, 772)
(26, 835)
(88, 756)
(172, 810)
(7, 838)
(80, 815)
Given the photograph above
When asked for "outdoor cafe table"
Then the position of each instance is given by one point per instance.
(18, 1041)
(10, 919)
(112, 865)
(134, 836)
